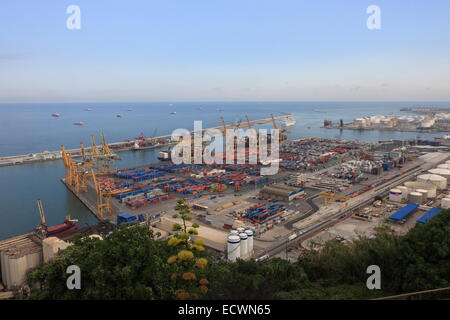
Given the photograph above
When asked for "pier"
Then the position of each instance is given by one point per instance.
(150, 143)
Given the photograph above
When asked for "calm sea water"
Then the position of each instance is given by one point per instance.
(27, 128)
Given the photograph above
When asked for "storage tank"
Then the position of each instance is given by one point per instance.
(439, 181)
(448, 161)
(415, 197)
(233, 247)
(444, 166)
(431, 188)
(244, 244)
(395, 195)
(441, 172)
(234, 233)
(445, 203)
(424, 192)
(405, 192)
(240, 230)
(249, 241)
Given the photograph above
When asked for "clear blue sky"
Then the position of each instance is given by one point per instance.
(169, 50)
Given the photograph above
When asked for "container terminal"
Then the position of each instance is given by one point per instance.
(325, 189)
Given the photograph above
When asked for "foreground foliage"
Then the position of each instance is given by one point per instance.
(129, 264)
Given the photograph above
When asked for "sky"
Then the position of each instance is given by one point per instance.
(224, 50)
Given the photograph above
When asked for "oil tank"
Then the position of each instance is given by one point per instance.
(233, 247)
(405, 192)
(448, 161)
(441, 172)
(249, 241)
(415, 197)
(234, 233)
(424, 193)
(244, 244)
(439, 181)
(395, 195)
(445, 203)
(444, 166)
(431, 188)
(240, 230)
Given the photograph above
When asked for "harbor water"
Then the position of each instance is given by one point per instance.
(29, 128)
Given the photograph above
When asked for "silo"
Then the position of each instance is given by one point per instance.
(249, 241)
(244, 244)
(395, 195)
(233, 247)
(439, 181)
(445, 203)
(444, 166)
(441, 172)
(448, 161)
(405, 192)
(415, 197)
(240, 230)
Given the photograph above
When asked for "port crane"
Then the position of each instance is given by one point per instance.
(283, 136)
(103, 198)
(76, 171)
(328, 196)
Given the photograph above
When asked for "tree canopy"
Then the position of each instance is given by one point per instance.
(130, 264)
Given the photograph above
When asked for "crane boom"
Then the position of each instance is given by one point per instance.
(41, 211)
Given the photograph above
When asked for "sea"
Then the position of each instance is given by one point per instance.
(29, 127)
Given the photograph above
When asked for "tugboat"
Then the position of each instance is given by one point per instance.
(79, 123)
(52, 231)
(173, 112)
(165, 155)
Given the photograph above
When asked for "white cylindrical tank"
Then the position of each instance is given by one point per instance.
(233, 247)
(244, 244)
(415, 197)
(240, 230)
(448, 161)
(234, 233)
(249, 241)
(439, 181)
(424, 193)
(395, 195)
(444, 166)
(441, 172)
(405, 192)
(431, 188)
(445, 203)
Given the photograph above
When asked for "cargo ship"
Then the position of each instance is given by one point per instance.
(67, 226)
(52, 231)
(56, 115)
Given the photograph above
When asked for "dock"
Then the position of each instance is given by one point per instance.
(149, 143)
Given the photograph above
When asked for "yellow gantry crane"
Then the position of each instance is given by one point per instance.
(103, 198)
(283, 136)
(328, 196)
(76, 172)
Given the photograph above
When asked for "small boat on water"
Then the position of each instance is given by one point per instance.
(56, 115)
(165, 155)
(52, 231)
(88, 109)
(78, 123)
(289, 121)
(173, 112)
(119, 116)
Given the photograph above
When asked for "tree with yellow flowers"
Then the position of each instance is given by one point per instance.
(189, 262)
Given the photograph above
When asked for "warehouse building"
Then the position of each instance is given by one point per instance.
(281, 192)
